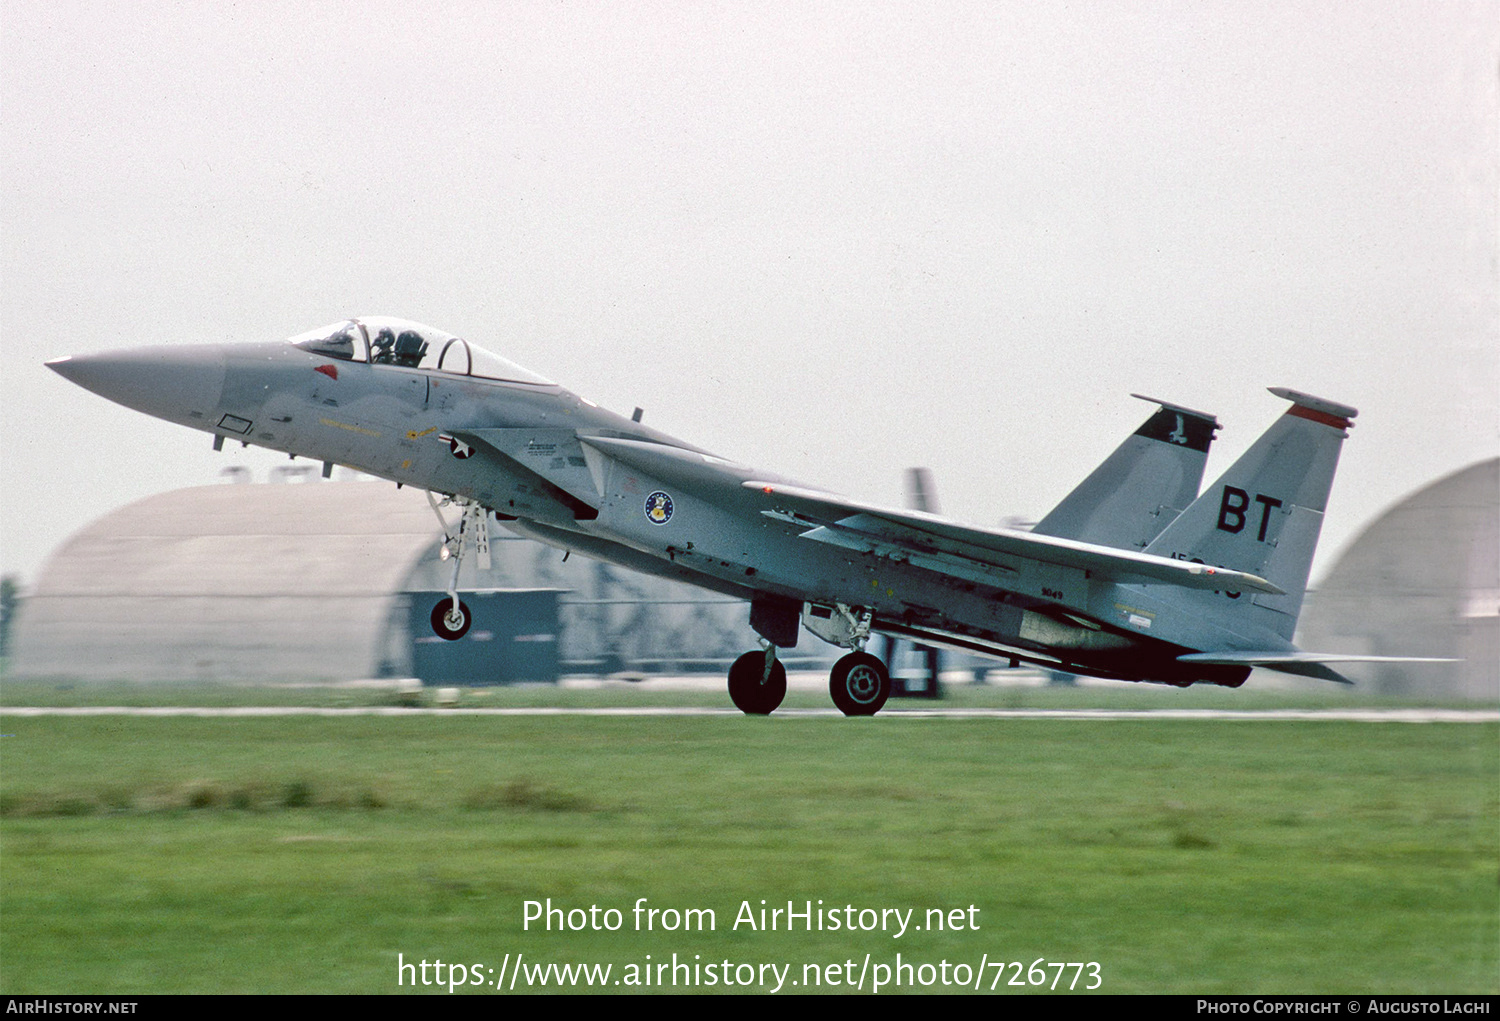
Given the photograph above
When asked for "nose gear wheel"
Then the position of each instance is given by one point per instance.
(451, 619)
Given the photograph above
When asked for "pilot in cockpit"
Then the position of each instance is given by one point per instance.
(410, 347)
(380, 347)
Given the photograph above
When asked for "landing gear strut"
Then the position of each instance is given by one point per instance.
(451, 617)
(757, 682)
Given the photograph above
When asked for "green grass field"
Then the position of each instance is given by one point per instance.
(1097, 695)
(301, 854)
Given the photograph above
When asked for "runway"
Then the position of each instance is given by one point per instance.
(1412, 715)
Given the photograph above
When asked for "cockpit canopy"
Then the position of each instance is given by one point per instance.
(383, 340)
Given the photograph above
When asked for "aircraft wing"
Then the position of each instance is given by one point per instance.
(939, 541)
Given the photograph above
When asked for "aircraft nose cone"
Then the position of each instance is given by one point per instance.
(180, 384)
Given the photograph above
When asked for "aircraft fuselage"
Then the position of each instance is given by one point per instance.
(407, 424)
(1135, 575)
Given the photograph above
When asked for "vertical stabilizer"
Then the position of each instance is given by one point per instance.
(1141, 488)
(921, 493)
(1264, 514)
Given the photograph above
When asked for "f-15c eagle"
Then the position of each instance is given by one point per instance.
(1134, 576)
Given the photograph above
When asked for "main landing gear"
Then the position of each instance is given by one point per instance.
(757, 682)
(859, 683)
(451, 617)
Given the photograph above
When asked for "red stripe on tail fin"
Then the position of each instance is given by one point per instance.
(1302, 411)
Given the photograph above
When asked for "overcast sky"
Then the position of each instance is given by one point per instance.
(828, 239)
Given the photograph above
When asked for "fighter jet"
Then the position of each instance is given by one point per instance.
(1134, 576)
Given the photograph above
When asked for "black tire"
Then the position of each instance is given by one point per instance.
(751, 690)
(859, 684)
(448, 625)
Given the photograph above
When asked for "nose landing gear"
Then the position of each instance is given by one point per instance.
(451, 617)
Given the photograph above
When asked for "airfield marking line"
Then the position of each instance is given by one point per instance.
(1336, 715)
(1348, 715)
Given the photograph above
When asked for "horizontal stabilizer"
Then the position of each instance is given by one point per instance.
(1305, 664)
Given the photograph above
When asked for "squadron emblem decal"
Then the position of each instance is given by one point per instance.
(658, 508)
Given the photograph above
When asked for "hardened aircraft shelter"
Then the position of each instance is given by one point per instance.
(315, 581)
(1422, 580)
